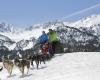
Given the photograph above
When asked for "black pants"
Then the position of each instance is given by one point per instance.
(53, 46)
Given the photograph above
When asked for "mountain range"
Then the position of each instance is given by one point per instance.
(16, 38)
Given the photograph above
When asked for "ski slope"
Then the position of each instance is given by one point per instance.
(70, 66)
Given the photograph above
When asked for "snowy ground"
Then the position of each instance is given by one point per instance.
(70, 66)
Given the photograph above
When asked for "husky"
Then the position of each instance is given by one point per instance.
(38, 58)
(8, 64)
(21, 64)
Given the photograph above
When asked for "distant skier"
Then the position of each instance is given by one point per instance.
(53, 40)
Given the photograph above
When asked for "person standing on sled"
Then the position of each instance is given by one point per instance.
(43, 39)
(53, 40)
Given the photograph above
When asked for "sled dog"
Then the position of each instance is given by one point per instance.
(21, 64)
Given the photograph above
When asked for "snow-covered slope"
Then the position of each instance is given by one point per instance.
(32, 31)
(5, 41)
(25, 38)
(87, 21)
(70, 66)
(6, 27)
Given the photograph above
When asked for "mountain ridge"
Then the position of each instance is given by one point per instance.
(23, 37)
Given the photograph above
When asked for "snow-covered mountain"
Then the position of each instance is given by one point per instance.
(5, 28)
(26, 38)
(5, 42)
(79, 29)
(87, 21)
(90, 23)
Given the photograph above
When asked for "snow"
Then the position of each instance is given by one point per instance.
(26, 35)
(86, 22)
(20, 34)
(11, 47)
(70, 66)
(29, 46)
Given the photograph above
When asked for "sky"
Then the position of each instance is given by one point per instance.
(29, 12)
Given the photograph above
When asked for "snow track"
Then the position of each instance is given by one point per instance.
(70, 66)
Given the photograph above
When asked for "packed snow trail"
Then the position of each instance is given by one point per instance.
(69, 66)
